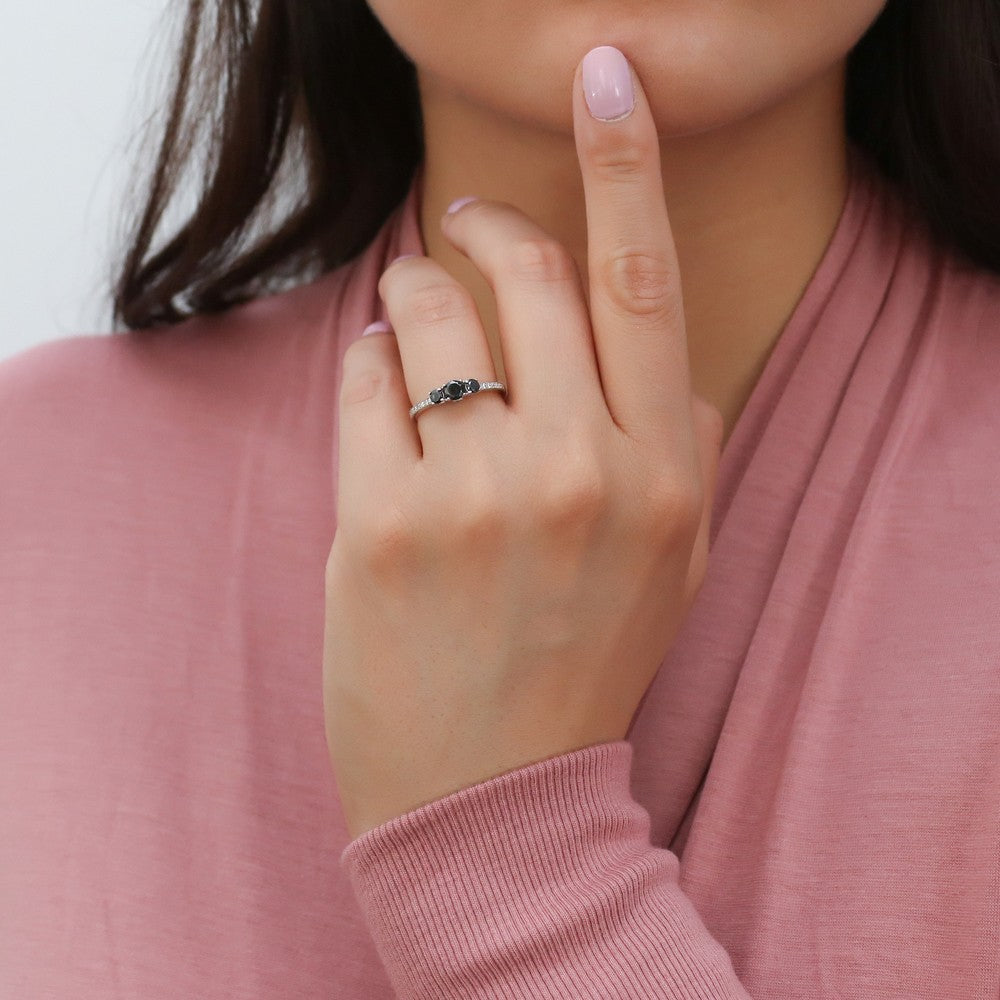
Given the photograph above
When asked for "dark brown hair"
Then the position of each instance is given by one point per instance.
(314, 102)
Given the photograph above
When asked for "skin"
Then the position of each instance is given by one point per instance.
(747, 97)
(506, 576)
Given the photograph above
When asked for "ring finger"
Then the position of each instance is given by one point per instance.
(440, 337)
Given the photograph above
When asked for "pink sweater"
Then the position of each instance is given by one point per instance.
(808, 803)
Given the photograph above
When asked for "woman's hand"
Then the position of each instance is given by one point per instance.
(507, 574)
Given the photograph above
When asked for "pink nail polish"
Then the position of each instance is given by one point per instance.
(403, 257)
(377, 327)
(458, 203)
(607, 83)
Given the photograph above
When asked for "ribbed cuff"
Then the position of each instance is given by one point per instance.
(538, 884)
(459, 892)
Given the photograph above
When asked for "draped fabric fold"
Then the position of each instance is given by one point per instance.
(806, 805)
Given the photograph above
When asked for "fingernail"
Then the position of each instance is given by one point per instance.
(377, 327)
(458, 203)
(607, 83)
(403, 257)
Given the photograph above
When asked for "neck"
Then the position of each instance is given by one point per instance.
(752, 207)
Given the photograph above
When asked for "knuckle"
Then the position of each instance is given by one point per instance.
(363, 377)
(362, 385)
(620, 155)
(674, 504)
(639, 282)
(575, 496)
(475, 511)
(387, 543)
(539, 259)
(481, 522)
(365, 373)
(438, 303)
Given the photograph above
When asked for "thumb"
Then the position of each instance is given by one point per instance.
(709, 430)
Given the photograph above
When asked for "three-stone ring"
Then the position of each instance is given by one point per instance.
(453, 390)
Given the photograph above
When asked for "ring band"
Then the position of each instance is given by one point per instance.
(453, 390)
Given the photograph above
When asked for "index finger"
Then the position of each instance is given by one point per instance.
(636, 307)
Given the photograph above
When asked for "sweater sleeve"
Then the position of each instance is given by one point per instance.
(538, 883)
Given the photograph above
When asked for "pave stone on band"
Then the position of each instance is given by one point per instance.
(453, 390)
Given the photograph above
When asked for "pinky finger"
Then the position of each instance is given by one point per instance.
(377, 439)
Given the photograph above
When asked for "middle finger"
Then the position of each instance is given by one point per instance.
(545, 333)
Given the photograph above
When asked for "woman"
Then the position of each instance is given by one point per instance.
(664, 667)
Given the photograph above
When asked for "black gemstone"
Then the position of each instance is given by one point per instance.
(453, 390)
(436, 396)
(473, 385)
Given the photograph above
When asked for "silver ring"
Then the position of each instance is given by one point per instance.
(453, 390)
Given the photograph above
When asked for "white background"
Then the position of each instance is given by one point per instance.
(77, 78)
